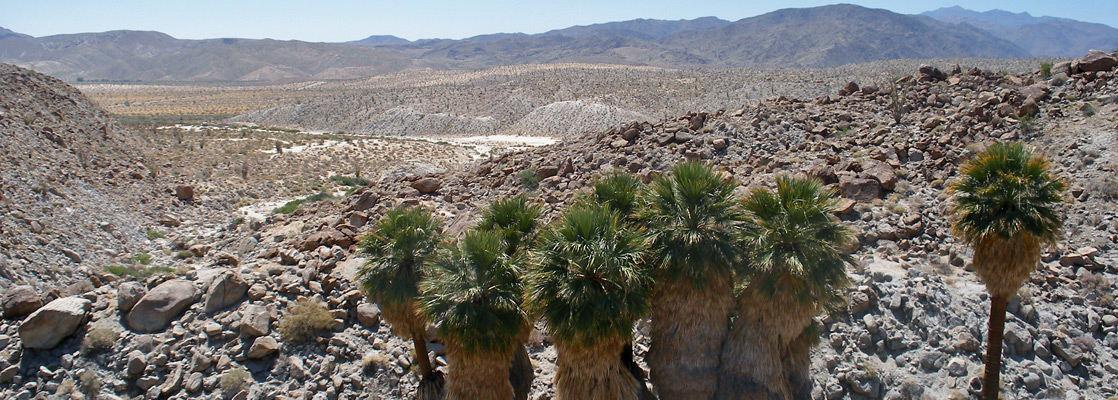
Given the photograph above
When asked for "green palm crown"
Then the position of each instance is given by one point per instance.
(692, 217)
(514, 218)
(474, 293)
(793, 242)
(589, 279)
(398, 247)
(1006, 190)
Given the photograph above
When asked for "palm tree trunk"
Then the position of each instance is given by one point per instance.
(421, 355)
(688, 329)
(992, 385)
(797, 365)
(594, 373)
(477, 376)
(521, 373)
(751, 368)
(756, 357)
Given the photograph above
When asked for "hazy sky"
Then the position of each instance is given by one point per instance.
(345, 20)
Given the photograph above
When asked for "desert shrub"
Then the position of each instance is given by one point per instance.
(234, 380)
(528, 179)
(293, 205)
(305, 320)
(372, 362)
(182, 255)
(154, 234)
(236, 221)
(89, 383)
(1046, 69)
(1027, 124)
(99, 339)
(138, 271)
(142, 258)
(1088, 110)
(349, 180)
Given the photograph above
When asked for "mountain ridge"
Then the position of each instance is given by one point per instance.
(1040, 36)
(822, 36)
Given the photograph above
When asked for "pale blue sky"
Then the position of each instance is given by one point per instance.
(345, 20)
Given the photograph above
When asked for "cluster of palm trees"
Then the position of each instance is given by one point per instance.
(731, 284)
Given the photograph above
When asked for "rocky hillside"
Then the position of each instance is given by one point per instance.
(74, 189)
(912, 327)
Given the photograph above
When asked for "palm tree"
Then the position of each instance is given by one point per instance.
(515, 220)
(692, 218)
(474, 293)
(1004, 208)
(792, 246)
(590, 284)
(398, 248)
(620, 191)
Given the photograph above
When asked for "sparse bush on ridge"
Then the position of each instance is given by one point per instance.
(305, 320)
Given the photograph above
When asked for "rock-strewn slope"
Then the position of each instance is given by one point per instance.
(74, 189)
(912, 328)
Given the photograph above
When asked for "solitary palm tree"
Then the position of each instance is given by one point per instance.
(515, 219)
(590, 285)
(474, 294)
(792, 247)
(1004, 208)
(398, 248)
(692, 218)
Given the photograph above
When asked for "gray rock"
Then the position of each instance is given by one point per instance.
(136, 363)
(156, 310)
(368, 315)
(1032, 382)
(262, 347)
(225, 290)
(193, 383)
(52, 323)
(20, 300)
(128, 295)
(957, 367)
(256, 321)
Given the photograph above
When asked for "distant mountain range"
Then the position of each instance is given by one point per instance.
(1040, 36)
(809, 37)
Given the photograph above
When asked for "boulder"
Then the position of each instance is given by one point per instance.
(262, 347)
(849, 89)
(881, 172)
(368, 315)
(366, 201)
(326, 237)
(547, 171)
(136, 363)
(256, 321)
(427, 185)
(224, 290)
(860, 189)
(696, 122)
(162, 304)
(226, 258)
(128, 295)
(184, 192)
(49, 325)
(20, 300)
(1097, 61)
(929, 73)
